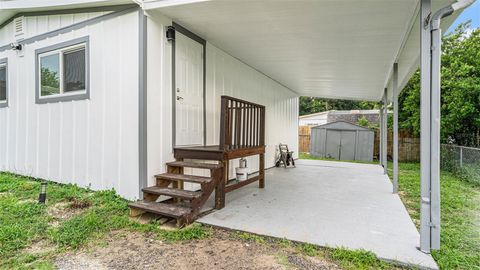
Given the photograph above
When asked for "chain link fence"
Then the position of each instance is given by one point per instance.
(465, 161)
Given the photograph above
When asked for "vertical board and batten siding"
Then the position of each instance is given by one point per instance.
(159, 96)
(36, 25)
(88, 142)
(225, 75)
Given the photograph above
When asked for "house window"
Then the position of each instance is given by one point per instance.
(62, 72)
(3, 83)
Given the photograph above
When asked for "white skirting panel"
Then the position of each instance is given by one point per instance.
(91, 142)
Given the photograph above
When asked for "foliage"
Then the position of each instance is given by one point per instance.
(250, 237)
(460, 208)
(358, 259)
(363, 121)
(50, 81)
(308, 156)
(49, 77)
(23, 221)
(460, 90)
(309, 105)
(308, 249)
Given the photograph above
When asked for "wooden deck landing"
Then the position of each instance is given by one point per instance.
(215, 152)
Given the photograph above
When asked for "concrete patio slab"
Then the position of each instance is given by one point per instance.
(334, 204)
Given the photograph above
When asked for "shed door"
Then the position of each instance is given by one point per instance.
(347, 145)
(332, 144)
(188, 91)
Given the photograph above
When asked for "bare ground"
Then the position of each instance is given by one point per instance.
(133, 250)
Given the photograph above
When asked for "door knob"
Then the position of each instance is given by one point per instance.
(179, 98)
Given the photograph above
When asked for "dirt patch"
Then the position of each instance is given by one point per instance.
(63, 211)
(40, 247)
(132, 250)
(309, 263)
(80, 204)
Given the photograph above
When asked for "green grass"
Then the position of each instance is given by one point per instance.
(347, 259)
(23, 221)
(358, 259)
(250, 237)
(308, 156)
(460, 216)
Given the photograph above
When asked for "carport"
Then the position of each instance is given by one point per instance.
(358, 50)
(327, 203)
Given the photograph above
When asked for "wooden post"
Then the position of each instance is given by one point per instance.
(261, 171)
(176, 184)
(223, 122)
(220, 188)
(225, 171)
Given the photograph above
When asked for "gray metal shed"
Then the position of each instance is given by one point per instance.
(343, 141)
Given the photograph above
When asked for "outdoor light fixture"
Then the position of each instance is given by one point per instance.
(170, 33)
(43, 192)
(16, 46)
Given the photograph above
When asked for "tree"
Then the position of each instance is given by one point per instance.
(309, 105)
(49, 81)
(460, 90)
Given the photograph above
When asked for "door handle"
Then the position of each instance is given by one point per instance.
(179, 98)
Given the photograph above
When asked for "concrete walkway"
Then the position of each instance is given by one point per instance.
(334, 204)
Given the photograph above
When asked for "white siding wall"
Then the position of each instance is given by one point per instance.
(36, 25)
(90, 142)
(225, 76)
(159, 97)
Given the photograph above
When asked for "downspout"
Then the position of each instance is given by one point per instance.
(447, 11)
(435, 84)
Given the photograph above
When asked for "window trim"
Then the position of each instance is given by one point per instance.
(4, 62)
(62, 97)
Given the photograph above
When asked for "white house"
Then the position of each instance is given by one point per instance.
(99, 92)
(106, 119)
(313, 119)
(350, 116)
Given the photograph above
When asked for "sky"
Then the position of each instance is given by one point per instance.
(471, 13)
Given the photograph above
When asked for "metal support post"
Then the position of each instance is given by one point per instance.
(395, 127)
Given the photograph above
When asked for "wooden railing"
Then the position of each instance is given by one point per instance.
(242, 124)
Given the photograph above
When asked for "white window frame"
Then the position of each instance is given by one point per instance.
(4, 63)
(60, 49)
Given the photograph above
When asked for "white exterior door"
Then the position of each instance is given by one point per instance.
(188, 91)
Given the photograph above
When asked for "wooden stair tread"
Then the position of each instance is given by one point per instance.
(184, 177)
(195, 165)
(169, 210)
(173, 192)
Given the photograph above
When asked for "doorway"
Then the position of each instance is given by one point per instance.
(189, 88)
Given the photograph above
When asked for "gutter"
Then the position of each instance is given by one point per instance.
(447, 11)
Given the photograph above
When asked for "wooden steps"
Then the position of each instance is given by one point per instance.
(183, 177)
(186, 205)
(184, 164)
(173, 192)
(169, 210)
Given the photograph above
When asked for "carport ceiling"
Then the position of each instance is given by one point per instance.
(326, 48)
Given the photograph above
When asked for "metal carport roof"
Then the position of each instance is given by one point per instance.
(341, 49)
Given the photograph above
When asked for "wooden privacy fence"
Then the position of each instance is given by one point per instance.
(408, 144)
(304, 139)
